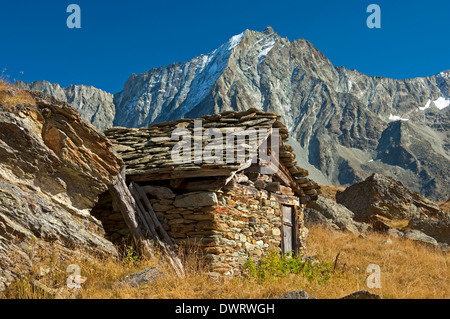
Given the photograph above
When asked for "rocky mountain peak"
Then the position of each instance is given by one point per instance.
(341, 119)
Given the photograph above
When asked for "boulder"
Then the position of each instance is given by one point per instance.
(384, 196)
(380, 223)
(438, 229)
(362, 294)
(335, 216)
(419, 236)
(142, 277)
(297, 294)
(53, 166)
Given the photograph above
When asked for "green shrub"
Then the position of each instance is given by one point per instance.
(131, 257)
(275, 266)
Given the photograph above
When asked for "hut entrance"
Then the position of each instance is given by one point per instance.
(289, 229)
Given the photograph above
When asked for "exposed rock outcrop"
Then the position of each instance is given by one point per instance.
(53, 166)
(94, 105)
(418, 236)
(333, 215)
(296, 294)
(143, 277)
(362, 294)
(438, 229)
(384, 196)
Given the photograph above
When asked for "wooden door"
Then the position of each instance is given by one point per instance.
(287, 228)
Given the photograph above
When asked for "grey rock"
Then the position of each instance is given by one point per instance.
(419, 236)
(384, 196)
(362, 294)
(142, 277)
(297, 294)
(94, 105)
(159, 192)
(347, 124)
(444, 247)
(197, 199)
(380, 223)
(214, 276)
(53, 167)
(335, 216)
(395, 233)
(438, 229)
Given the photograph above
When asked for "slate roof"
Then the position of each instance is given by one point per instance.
(147, 151)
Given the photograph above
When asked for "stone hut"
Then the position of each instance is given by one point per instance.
(226, 183)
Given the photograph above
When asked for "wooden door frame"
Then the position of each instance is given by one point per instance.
(295, 230)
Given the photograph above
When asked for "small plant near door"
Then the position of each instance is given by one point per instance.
(275, 266)
(131, 257)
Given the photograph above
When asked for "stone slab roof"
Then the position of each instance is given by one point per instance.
(146, 152)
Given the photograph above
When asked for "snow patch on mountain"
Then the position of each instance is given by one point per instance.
(235, 40)
(441, 103)
(396, 118)
(427, 105)
(265, 49)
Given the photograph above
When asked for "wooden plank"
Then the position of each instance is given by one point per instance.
(284, 176)
(155, 229)
(201, 185)
(296, 239)
(141, 224)
(285, 199)
(287, 228)
(158, 226)
(125, 203)
(180, 174)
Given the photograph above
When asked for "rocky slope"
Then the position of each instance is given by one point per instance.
(53, 166)
(383, 204)
(94, 105)
(387, 197)
(346, 125)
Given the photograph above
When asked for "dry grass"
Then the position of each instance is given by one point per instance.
(408, 270)
(445, 206)
(331, 190)
(11, 96)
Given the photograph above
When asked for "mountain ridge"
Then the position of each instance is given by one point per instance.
(343, 120)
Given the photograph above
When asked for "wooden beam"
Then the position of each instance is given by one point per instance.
(296, 232)
(201, 185)
(180, 174)
(281, 173)
(125, 203)
(151, 223)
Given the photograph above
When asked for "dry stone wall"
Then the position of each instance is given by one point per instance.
(226, 226)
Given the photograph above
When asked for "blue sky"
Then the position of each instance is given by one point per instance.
(118, 38)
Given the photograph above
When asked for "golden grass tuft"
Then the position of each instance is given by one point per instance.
(408, 270)
(10, 96)
(330, 190)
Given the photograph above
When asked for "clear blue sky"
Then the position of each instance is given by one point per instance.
(118, 38)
